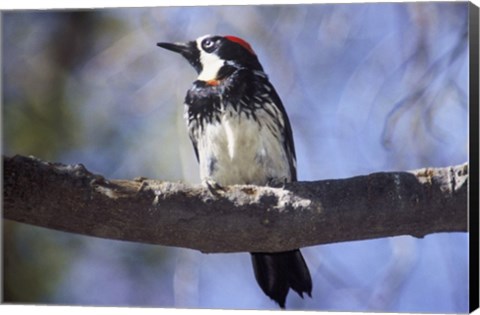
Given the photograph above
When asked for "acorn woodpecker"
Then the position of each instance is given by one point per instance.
(241, 135)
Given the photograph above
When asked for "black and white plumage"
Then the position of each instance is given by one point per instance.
(241, 135)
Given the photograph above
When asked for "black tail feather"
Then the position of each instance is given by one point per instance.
(276, 273)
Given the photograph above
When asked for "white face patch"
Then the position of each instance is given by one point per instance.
(211, 63)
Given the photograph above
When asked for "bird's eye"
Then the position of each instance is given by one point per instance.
(208, 45)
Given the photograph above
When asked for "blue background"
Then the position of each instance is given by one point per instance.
(368, 88)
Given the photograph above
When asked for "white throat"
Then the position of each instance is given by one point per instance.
(211, 63)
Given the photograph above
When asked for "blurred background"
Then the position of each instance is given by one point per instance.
(368, 88)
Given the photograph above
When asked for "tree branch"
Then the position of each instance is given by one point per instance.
(242, 218)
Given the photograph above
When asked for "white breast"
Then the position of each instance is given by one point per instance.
(238, 150)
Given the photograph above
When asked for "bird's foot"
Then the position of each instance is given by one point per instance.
(213, 187)
(143, 183)
(277, 182)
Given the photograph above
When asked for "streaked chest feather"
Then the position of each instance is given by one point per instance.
(234, 149)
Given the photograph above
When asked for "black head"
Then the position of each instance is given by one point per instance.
(209, 53)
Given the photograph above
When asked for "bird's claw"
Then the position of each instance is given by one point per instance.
(143, 183)
(213, 187)
(277, 182)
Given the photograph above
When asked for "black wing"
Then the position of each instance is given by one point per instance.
(288, 143)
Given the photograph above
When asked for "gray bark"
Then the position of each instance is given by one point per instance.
(240, 218)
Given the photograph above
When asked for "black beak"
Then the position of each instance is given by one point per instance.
(188, 50)
(181, 48)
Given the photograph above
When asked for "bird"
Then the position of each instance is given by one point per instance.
(241, 134)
